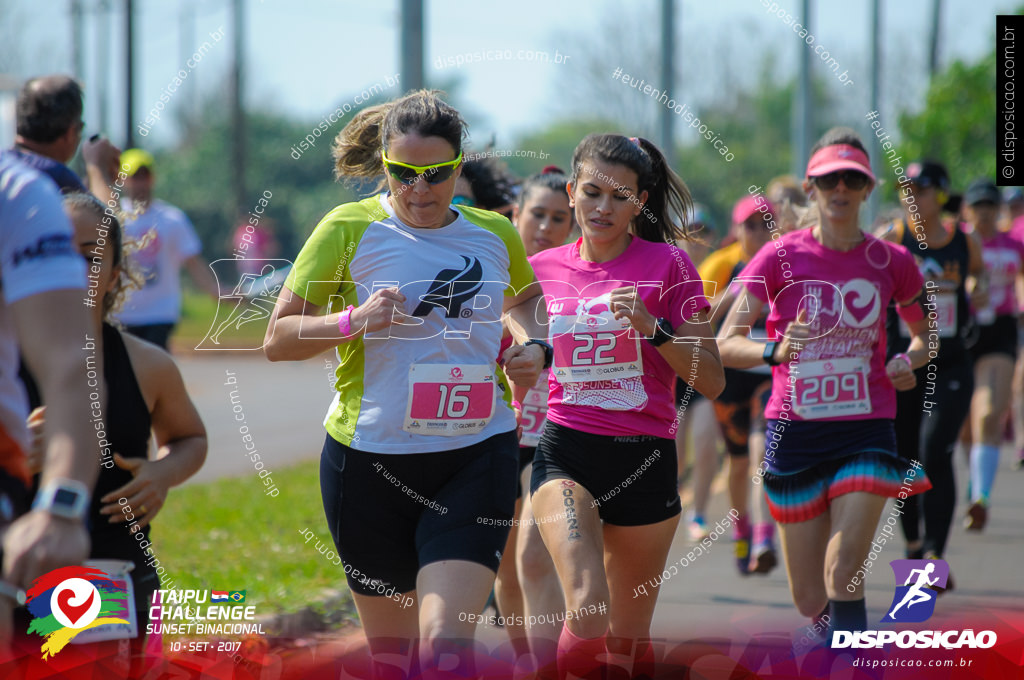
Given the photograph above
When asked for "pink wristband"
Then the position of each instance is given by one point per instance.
(904, 357)
(517, 405)
(345, 322)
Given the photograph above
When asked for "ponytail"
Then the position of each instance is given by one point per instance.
(356, 149)
(663, 217)
(667, 197)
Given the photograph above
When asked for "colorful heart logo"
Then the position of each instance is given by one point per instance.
(74, 612)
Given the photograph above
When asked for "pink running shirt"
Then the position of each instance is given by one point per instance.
(840, 372)
(1004, 256)
(606, 379)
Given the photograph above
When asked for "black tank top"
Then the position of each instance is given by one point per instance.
(946, 268)
(127, 420)
(128, 426)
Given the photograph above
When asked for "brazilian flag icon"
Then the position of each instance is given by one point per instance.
(237, 596)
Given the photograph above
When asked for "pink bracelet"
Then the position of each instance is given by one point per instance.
(902, 355)
(517, 405)
(345, 322)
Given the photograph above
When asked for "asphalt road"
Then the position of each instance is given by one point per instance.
(283, 405)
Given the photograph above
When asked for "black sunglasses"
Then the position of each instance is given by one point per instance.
(853, 180)
(408, 174)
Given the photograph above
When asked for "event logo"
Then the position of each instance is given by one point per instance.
(67, 601)
(861, 303)
(914, 600)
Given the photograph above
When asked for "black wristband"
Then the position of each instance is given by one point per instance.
(769, 353)
(663, 332)
(549, 351)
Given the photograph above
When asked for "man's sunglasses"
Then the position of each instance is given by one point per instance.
(408, 174)
(855, 181)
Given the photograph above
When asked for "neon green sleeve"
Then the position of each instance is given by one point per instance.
(323, 263)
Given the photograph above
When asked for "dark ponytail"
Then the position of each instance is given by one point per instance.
(668, 199)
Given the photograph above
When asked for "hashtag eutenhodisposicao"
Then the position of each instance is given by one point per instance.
(687, 115)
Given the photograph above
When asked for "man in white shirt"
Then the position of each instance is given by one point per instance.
(43, 319)
(170, 243)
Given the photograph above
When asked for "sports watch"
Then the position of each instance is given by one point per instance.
(549, 351)
(67, 498)
(662, 332)
(769, 353)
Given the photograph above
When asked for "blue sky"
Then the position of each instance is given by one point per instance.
(306, 57)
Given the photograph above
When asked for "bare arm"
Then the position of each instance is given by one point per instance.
(739, 351)
(179, 431)
(977, 279)
(900, 374)
(697, 363)
(102, 164)
(297, 331)
(525, 316)
(54, 332)
(695, 345)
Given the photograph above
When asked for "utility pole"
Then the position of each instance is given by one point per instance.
(666, 116)
(77, 38)
(876, 76)
(186, 38)
(129, 75)
(802, 116)
(412, 45)
(933, 43)
(237, 110)
(99, 87)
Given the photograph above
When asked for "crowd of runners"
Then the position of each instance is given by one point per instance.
(541, 359)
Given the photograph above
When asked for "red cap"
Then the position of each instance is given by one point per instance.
(750, 204)
(839, 157)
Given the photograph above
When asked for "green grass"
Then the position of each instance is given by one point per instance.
(197, 315)
(229, 535)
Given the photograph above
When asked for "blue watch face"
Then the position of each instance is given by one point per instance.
(65, 498)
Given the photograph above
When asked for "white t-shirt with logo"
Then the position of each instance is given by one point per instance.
(37, 255)
(431, 382)
(172, 242)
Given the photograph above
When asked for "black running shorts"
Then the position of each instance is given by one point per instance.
(391, 514)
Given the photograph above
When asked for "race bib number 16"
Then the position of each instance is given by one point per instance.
(449, 399)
